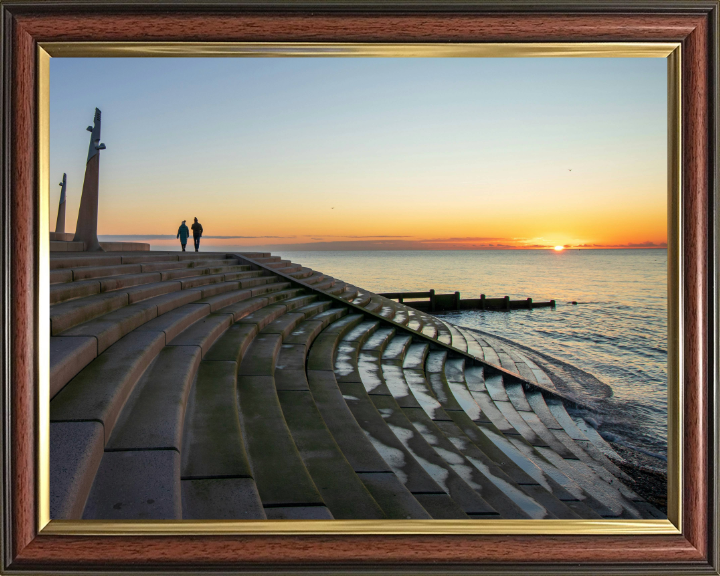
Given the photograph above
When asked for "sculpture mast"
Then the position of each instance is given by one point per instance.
(60, 224)
(86, 229)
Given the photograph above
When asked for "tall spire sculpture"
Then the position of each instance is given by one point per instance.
(60, 224)
(86, 229)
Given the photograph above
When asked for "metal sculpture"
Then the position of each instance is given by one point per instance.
(86, 229)
(60, 224)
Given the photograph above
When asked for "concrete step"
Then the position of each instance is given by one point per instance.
(347, 352)
(342, 491)
(378, 477)
(368, 361)
(203, 333)
(69, 355)
(166, 266)
(142, 421)
(104, 271)
(443, 333)
(460, 479)
(266, 260)
(361, 300)
(105, 330)
(375, 303)
(349, 294)
(396, 349)
(279, 471)
(147, 441)
(278, 264)
(61, 246)
(387, 312)
(435, 374)
(505, 435)
(581, 449)
(336, 290)
(68, 314)
(290, 367)
(289, 269)
(429, 330)
(509, 442)
(558, 410)
(307, 331)
(502, 433)
(65, 315)
(97, 394)
(301, 274)
(401, 456)
(509, 501)
(87, 259)
(414, 324)
(522, 496)
(216, 478)
(458, 340)
(109, 328)
(285, 324)
(314, 308)
(324, 347)
(253, 255)
(300, 301)
(271, 287)
(80, 289)
(314, 279)
(401, 316)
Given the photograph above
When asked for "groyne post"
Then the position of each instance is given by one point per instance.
(457, 300)
(507, 302)
(432, 299)
(86, 229)
(483, 304)
(529, 303)
(60, 223)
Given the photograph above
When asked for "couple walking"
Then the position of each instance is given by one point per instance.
(183, 234)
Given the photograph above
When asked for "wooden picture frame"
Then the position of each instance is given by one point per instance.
(26, 548)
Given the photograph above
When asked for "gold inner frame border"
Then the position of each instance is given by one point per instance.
(671, 51)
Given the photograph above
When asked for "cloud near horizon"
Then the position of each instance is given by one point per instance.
(647, 244)
(134, 237)
(382, 243)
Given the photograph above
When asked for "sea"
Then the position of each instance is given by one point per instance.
(616, 332)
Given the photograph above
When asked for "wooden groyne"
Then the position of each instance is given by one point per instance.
(432, 302)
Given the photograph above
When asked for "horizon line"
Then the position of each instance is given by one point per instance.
(382, 245)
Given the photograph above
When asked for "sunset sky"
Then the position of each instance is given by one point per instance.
(369, 153)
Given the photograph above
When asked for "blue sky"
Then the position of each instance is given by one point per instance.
(327, 148)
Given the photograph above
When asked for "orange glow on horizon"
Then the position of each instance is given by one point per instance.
(559, 248)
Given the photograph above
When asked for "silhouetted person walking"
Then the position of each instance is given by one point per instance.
(183, 234)
(197, 233)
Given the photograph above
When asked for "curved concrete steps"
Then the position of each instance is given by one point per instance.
(204, 386)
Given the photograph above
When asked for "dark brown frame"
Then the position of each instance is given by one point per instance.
(693, 23)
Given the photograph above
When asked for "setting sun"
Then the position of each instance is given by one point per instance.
(559, 248)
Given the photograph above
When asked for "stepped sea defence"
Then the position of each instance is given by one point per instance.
(240, 385)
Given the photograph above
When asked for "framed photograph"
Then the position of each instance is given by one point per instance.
(450, 303)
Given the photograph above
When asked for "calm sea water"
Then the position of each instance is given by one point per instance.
(616, 332)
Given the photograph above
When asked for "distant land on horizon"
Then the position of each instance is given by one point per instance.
(369, 245)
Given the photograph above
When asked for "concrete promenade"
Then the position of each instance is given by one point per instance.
(244, 386)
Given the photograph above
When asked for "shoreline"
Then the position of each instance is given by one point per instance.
(648, 472)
